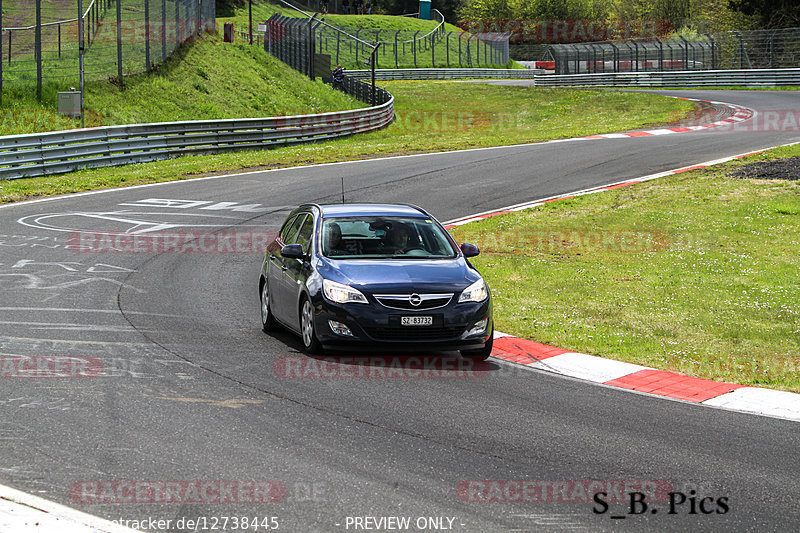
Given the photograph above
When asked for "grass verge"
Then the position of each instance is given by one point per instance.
(694, 273)
(203, 79)
(472, 116)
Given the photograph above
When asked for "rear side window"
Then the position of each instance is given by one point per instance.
(304, 235)
(290, 229)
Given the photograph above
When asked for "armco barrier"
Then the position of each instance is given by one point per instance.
(704, 78)
(445, 73)
(39, 154)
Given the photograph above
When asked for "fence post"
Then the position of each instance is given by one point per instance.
(119, 41)
(433, 52)
(81, 50)
(147, 35)
(447, 49)
(396, 64)
(357, 43)
(163, 30)
(38, 49)
(1, 53)
(414, 47)
(177, 22)
(250, 18)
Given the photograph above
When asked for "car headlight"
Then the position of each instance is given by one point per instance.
(477, 292)
(341, 293)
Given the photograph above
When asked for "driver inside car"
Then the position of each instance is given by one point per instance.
(401, 239)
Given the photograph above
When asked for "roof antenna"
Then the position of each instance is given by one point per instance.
(342, 189)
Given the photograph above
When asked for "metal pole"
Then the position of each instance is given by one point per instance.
(38, 49)
(713, 52)
(80, 58)
(448, 48)
(163, 30)
(147, 35)
(119, 41)
(1, 53)
(414, 47)
(373, 60)
(177, 22)
(250, 18)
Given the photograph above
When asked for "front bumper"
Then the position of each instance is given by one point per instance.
(372, 325)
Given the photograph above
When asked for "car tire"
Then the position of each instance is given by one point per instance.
(483, 353)
(308, 334)
(268, 323)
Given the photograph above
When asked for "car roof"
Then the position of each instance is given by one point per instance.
(349, 210)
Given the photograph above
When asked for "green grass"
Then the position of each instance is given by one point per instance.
(204, 79)
(695, 273)
(473, 115)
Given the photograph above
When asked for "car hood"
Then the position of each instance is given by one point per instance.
(396, 275)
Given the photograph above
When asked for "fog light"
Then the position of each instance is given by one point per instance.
(339, 328)
(478, 327)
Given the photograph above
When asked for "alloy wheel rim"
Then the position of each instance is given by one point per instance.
(264, 303)
(308, 328)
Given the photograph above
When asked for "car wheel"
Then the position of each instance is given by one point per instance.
(481, 354)
(310, 342)
(267, 318)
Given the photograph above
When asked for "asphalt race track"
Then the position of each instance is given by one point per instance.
(181, 385)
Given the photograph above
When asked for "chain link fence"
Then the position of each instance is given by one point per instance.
(119, 37)
(351, 46)
(778, 48)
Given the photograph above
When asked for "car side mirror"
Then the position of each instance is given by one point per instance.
(469, 250)
(293, 251)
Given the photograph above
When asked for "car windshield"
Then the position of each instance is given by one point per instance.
(385, 237)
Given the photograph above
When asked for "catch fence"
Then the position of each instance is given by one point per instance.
(119, 37)
(757, 49)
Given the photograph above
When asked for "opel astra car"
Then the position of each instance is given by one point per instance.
(352, 275)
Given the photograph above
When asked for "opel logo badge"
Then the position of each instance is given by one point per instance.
(415, 299)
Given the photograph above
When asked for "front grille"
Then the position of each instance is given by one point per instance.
(403, 301)
(412, 333)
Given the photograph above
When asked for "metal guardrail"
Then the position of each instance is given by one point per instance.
(446, 73)
(706, 78)
(41, 154)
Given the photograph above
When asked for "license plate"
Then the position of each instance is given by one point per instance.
(416, 321)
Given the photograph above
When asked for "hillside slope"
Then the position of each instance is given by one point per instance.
(203, 79)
